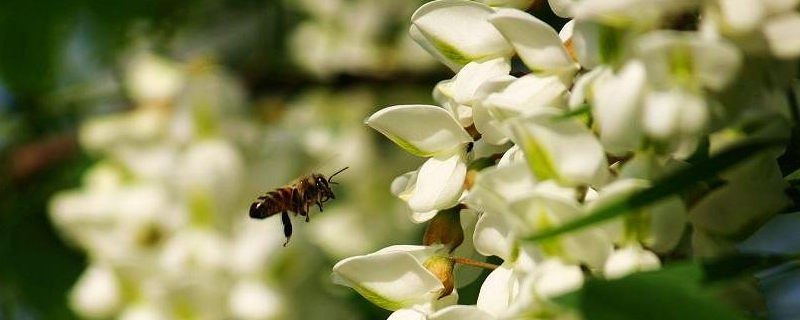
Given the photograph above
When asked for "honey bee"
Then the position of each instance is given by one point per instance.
(297, 198)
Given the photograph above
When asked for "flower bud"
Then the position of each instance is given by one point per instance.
(442, 268)
(445, 228)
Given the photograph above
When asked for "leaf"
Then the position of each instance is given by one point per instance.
(683, 279)
(668, 185)
(671, 293)
(732, 267)
(661, 295)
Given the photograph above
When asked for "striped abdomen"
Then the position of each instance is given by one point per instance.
(273, 202)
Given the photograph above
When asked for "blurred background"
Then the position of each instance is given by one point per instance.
(135, 134)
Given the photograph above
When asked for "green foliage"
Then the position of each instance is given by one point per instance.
(682, 291)
(37, 269)
(669, 294)
(671, 184)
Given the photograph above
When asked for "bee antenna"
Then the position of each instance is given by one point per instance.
(337, 172)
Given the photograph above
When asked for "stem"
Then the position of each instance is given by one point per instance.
(470, 262)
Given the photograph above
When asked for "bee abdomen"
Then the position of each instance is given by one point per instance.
(258, 210)
(272, 203)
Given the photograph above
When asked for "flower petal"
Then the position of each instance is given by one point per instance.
(391, 280)
(512, 155)
(554, 278)
(525, 95)
(421, 217)
(403, 183)
(781, 34)
(459, 312)
(421, 253)
(488, 126)
(628, 260)
(617, 108)
(562, 8)
(741, 16)
(494, 187)
(493, 236)
(545, 208)
(536, 43)
(681, 58)
(583, 90)
(563, 150)
(422, 130)
(97, 293)
(440, 183)
(457, 32)
(473, 75)
(406, 314)
(497, 291)
(669, 115)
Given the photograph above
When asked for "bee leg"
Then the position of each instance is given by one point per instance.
(319, 204)
(308, 212)
(287, 227)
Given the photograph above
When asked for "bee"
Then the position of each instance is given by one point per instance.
(297, 198)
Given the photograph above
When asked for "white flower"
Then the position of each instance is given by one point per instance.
(460, 93)
(675, 117)
(687, 60)
(623, 13)
(526, 95)
(560, 149)
(661, 95)
(152, 79)
(193, 250)
(628, 260)
(780, 32)
(457, 32)
(254, 244)
(550, 278)
(252, 300)
(501, 288)
(490, 127)
(616, 107)
(143, 312)
(428, 131)
(758, 27)
(97, 294)
(393, 278)
(548, 206)
(517, 288)
(659, 226)
(536, 43)
(518, 4)
(455, 312)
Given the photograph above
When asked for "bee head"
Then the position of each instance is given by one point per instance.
(320, 182)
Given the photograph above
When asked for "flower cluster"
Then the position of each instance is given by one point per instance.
(625, 93)
(154, 214)
(355, 37)
(162, 213)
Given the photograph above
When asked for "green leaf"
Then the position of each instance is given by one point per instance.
(684, 280)
(672, 293)
(668, 185)
(735, 266)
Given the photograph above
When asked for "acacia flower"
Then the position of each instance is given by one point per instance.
(428, 131)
